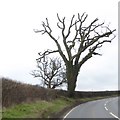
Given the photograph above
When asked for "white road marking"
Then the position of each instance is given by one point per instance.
(114, 116)
(108, 109)
(69, 112)
(104, 107)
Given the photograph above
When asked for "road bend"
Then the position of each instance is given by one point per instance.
(104, 108)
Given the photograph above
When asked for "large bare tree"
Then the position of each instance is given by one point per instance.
(80, 40)
(51, 72)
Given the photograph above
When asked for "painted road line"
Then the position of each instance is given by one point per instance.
(114, 116)
(106, 108)
(69, 112)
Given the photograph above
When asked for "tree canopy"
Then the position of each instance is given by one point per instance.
(78, 38)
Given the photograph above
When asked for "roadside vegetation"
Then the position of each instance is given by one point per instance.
(42, 109)
(38, 109)
(26, 101)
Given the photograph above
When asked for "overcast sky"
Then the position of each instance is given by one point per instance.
(19, 44)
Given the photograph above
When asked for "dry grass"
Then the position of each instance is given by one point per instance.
(15, 93)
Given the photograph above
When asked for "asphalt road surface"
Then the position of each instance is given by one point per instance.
(104, 108)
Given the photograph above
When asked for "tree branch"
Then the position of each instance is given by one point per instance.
(47, 29)
(92, 52)
(64, 36)
(84, 37)
(90, 43)
(47, 52)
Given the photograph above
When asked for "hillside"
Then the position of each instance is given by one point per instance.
(27, 101)
(15, 93)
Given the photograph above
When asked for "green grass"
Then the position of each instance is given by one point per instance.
(90, 99)
(39, 109)
(42, 109)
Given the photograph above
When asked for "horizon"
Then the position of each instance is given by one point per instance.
(37, 85)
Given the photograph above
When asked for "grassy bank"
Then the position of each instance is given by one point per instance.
(27, 101)
(42, 109)
(14, 93)
(38, 109)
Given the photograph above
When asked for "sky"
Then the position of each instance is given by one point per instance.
(19, 44)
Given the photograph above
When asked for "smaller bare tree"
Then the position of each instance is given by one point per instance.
(51, 71)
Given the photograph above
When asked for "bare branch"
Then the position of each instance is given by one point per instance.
(70, 26)
(48, 26)
(81, 19)
(47, 52)
(93, 40)
(79, 37)
(59, 18)
(92, 51)
(48, 30)
(59, 26)
(50, 71)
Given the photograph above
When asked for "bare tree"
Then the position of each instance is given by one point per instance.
(51, 72)
(78, 39)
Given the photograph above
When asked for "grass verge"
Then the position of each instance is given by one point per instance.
(38, 109)
(42, 109)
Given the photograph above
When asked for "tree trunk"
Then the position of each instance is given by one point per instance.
(49, 84)
(72, 74)
(71, 87)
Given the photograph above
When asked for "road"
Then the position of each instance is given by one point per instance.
(104, 108)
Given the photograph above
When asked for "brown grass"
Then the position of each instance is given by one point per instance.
(15, 93)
